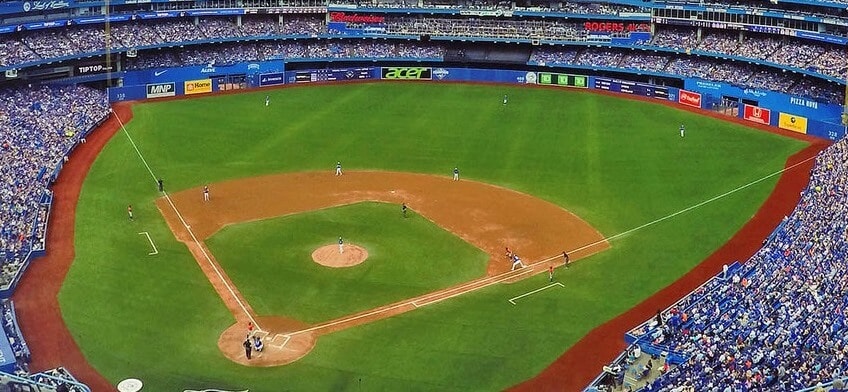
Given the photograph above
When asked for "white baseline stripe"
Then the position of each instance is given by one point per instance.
(512, 300)
(155, 252)
(188, 228)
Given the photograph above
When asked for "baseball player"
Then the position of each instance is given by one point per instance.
(516, 262)
(161, 185)
(456, 174)
(403, 209)
(338, 168)
(206, 193)
(565, 259)
(505, 99)
(550, 273)
(682, 130)
(129, 211)
(341, 245)
(267, 100)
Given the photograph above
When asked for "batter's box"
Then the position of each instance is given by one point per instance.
(279, 341)
(263, 335)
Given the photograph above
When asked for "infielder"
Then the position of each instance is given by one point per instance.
(341, 245)
(456, 174)
(338, 168)
(550, 273)
(516, 262)
(206, 193)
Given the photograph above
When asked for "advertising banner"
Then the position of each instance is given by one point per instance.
(272, 79)
(407, 73)
(791, 122)
(756, 114)
(200, 86)
(159, 90)
(689, 98)
(564, 80)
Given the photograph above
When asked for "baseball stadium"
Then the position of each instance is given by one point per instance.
(430, 195)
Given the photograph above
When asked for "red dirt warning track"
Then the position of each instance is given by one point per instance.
(486, 216)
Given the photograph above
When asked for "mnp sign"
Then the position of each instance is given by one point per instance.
(198, 86)
(407, 73)
(159, 90)
(792, 122)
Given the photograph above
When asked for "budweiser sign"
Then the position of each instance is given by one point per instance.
(689, 98)
(757, 114)
(355, 18)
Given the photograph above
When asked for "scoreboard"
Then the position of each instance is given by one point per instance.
(331, 75)
(633, 88)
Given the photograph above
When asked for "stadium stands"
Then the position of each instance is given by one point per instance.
(778, 321)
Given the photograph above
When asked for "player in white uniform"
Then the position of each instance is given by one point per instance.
(682, 130)
(267, 100)
(456, 174)
(505, 99)
(338, 168)
(341, 245)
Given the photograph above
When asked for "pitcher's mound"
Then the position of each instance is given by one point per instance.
(330, 256)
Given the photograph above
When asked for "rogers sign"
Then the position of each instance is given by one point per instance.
(354, 18)
(615, 27)
(689, 98)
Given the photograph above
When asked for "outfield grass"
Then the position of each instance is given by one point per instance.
(407, 257)
(616, 163)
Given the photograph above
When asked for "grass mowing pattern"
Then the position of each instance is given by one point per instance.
(616, 163)
(407, 257)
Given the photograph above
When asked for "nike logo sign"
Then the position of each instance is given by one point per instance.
(157, 73)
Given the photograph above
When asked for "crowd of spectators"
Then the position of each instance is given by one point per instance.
(733, 72)
(501, 5)
(13, 333)
(229, 53)
(38, 126)
(792, 52)
(779, 321)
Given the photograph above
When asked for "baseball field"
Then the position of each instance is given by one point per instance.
(166, 297)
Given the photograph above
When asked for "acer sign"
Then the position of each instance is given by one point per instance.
(689, 98)
(615, 27)
(354, 18)
(407, 73)
(757, 114)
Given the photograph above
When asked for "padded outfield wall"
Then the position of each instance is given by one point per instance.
(791, 113)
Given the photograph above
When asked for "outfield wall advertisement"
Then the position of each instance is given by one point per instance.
(200, 86)
(783, 111)
(756, 114)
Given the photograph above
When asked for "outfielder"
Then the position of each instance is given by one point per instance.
(682, 130)
(129, 211)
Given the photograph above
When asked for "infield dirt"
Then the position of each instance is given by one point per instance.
(486, 216)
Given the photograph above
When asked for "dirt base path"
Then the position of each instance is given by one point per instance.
(488, 217)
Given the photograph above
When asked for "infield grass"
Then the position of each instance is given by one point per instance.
(271, 263)
(616, 163)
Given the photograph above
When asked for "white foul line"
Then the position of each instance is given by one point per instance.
(155, 252)
(188, 228)
(512, 300)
